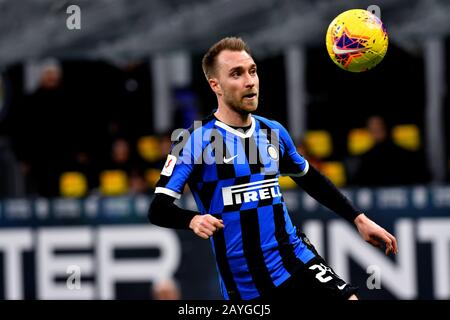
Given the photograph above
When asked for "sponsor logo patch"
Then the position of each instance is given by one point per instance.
(253, 191)
(169, 165)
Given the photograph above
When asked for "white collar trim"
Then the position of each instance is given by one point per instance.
(237, 132)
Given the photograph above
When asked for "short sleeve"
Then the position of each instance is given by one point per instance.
(291, 162)
(178, 166)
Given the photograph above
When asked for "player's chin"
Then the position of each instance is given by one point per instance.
(249, 106)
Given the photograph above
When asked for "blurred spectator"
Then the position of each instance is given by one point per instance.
(125, 158)
(134, 113)
(386, 163)
(43, 135)
(137, 182)
(153, 150)
(120, 157)
(167, 289)
(165, 144)
(83, 162)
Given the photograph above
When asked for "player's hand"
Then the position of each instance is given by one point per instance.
(205, 225)
(376, 235)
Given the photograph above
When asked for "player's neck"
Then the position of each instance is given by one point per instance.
(233, 118)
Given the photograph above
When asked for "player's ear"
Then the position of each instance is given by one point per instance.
(215, 86)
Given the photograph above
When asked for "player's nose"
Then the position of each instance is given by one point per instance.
(249, 84)
(249, 81)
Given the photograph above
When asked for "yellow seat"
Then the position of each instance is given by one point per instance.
(286, 182)
(113, 182)
(149, 148)
(359, 141)
(73, 184)
(407, 136)
(335, 171)
(318, 143)
(152, 177)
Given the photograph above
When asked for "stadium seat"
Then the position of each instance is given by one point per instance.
(335, 171)
(152, 177)
(113, 182)
(407, 136)
(149, 148)
(359, 141)
(286, 182)
(73, 184)
(318, 143)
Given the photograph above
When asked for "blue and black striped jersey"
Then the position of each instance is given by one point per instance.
(233, 175)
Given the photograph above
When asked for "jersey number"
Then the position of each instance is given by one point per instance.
(322, 271)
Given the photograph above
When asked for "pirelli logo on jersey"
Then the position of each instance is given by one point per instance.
(253, 191)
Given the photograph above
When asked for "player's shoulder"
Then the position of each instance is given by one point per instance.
(209, 120)
(272, 124)
(185, 137)
(206, 122)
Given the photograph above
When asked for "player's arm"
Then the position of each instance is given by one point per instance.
(325, 192)
(164, 212)
(311, 180)
(176, 171)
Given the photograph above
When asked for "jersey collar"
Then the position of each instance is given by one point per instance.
(240, 134)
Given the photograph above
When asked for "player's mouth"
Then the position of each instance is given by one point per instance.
(250, 96)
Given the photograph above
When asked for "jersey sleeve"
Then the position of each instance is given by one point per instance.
(178, 166)
(291, 162)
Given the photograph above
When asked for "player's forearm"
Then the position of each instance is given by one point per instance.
(325, 192)
(164, 212)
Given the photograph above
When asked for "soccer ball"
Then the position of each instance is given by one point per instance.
(356, 40)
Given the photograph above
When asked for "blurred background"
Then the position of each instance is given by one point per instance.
(90, 92)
